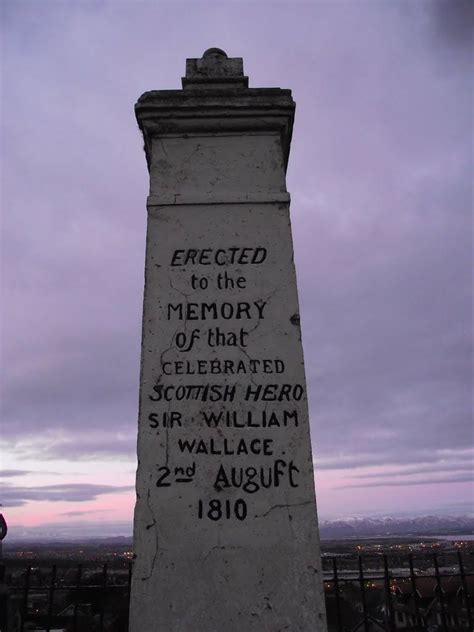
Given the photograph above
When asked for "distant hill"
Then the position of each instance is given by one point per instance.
(423, 525)
(329, 529)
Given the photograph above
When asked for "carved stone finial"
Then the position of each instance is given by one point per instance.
(215, 70)
(214, 52)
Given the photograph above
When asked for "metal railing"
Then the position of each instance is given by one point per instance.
(94, 598)
(401, 599)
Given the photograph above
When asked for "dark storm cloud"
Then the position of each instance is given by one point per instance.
(95, 445)
(425, 468)
(15, 496)
(380, 177)
(424, 459)
(13, 473)
(454, 21)
(461, 477)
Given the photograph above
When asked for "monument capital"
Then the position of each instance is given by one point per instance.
(215, 99)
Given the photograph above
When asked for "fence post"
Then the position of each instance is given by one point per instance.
(388, 595)
(465, 591)
(102, 605)
(338, 599)
(78, 585)
(362, 595)
(129, 578)
(414, 590)
(26, 590)
(52, 586)
(440, 594)
(3, 599)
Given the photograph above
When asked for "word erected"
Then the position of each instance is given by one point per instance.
(221, 256)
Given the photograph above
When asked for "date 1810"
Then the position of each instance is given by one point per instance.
(216, 509)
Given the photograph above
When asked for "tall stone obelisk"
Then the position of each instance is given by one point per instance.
(226, 535)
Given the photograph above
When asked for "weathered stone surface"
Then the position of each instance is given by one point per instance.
(226, 531)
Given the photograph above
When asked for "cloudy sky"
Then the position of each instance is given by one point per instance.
(380, 177)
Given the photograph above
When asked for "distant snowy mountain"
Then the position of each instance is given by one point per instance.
(423, 525)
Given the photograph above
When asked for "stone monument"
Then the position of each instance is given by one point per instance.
(225, 535)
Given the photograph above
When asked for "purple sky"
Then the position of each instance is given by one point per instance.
(380, 177)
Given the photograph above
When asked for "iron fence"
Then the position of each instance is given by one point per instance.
(93, 598)
(405, 598)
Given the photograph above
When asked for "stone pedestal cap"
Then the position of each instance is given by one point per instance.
(215, 99)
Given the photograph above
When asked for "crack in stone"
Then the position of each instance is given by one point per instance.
(219, 547)
(161, 364)
(160, 140)
(157, 381)
(251, 331)
(252, 378)
(283, 506)
(153, 526)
